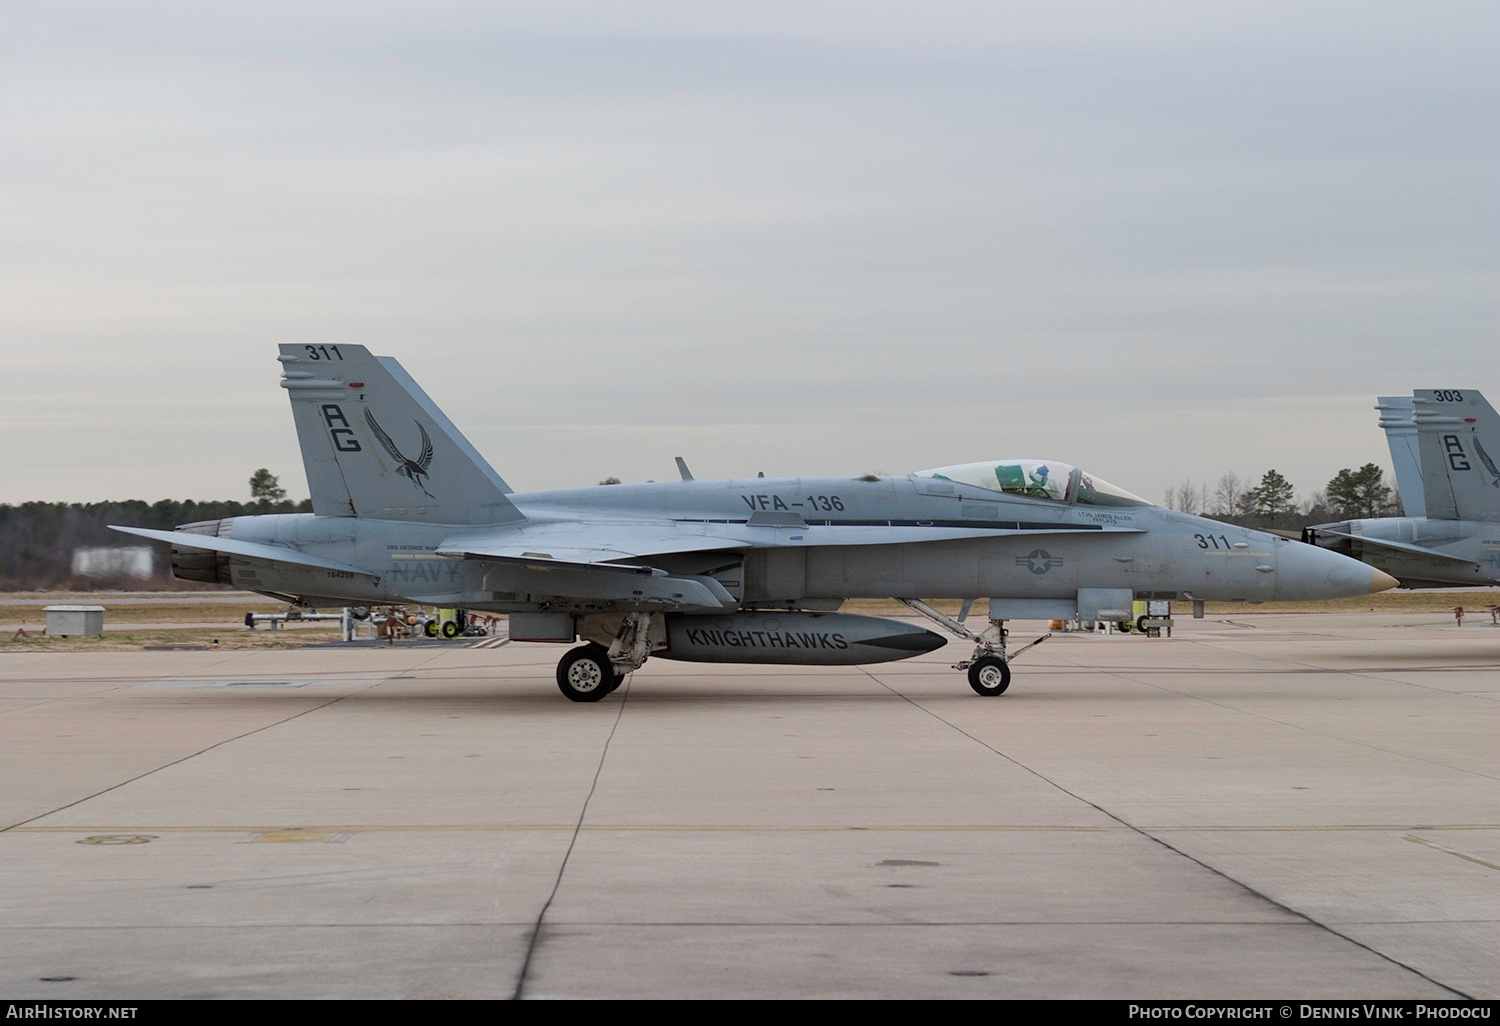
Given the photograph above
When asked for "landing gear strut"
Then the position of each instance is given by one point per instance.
(989, 666)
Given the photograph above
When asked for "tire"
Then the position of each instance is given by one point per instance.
(1140, 624)
(989, 676)
(585, 674)
(431, 629)
(619, 679)
(450, 630)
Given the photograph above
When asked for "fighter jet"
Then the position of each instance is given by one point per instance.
(1444, 443)
(753, 570)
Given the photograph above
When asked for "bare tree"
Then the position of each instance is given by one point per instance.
(1229, 496)
(1188, 498)
(1315, 506)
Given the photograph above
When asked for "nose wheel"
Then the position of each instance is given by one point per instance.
(989, 667)
(989, 675)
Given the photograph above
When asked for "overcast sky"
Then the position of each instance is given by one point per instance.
(1161, 240)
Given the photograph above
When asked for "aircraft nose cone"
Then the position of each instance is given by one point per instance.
(1306, 572)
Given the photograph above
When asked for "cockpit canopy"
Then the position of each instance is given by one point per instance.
(1037, 479)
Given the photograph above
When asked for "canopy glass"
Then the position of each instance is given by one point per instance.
(1037, 479)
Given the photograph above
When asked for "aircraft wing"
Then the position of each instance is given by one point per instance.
(598, 542)
(580, 543)
(1398, 546)
(250, 550)
(580, 559)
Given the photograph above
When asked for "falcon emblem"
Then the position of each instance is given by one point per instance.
(414, 470)
(1489, 464)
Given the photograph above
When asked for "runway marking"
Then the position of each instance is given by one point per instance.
(297, 835)
(490, 643)
(1449, 851)
(251, 680)
(322, 832)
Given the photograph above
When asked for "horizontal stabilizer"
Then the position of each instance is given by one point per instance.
(1398, 546)
(250, 550)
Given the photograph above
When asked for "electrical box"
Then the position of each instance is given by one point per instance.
(74, 621)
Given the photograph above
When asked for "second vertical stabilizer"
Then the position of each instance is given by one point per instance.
(1459, 437)
(1401, 436)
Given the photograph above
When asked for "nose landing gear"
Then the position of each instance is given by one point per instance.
(989, 675)
(989, 666)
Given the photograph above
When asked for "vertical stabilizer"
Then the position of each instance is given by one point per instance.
(1401, 435)
(374, 444)
(1458, 434)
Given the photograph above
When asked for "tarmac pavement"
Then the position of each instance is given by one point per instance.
(1281, 806)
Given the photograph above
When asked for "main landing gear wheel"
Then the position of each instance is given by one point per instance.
(989, 675)
(586, 674)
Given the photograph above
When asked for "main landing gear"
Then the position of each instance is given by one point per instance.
(587, 675)
(589, 672)
(989, 666)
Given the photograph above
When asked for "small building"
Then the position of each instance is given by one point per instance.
(134, 561)
(67, 621)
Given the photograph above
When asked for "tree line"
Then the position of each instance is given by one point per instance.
(1272, 502)
(38, 539)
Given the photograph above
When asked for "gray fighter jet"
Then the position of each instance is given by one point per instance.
(1444, 443)
(749, 571)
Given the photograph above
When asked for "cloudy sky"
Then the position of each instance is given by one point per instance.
(1162, 240)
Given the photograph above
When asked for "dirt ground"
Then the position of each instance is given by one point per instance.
(203, 613)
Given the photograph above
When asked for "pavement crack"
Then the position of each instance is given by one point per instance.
(185, 758)
(534, 940)
(1302, 916)
(1132, 675)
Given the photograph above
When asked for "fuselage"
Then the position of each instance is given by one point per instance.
(805, 543)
